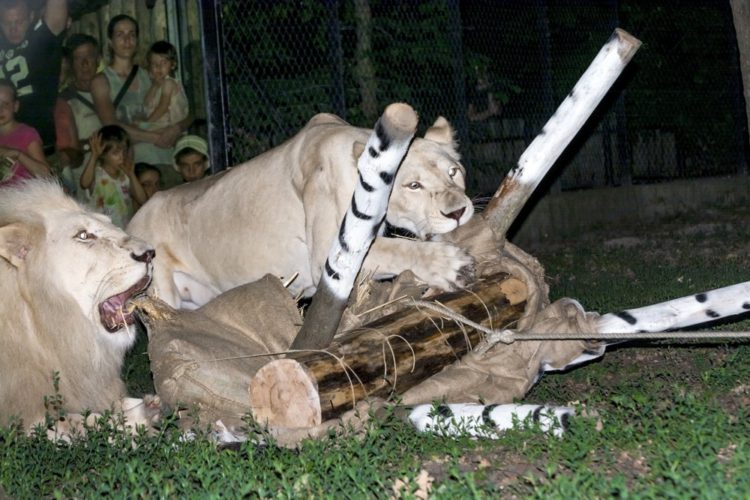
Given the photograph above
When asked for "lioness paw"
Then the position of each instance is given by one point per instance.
(445, 266)
(142, 412)
(467, 275)
(153, 408)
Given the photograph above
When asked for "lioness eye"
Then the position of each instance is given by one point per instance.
(453, 171)
(84, 235)
(415, 185)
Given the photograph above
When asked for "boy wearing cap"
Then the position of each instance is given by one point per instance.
(191, 157)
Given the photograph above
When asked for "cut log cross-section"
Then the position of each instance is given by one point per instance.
(393, 354)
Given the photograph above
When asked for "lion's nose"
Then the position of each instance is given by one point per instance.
(456, 214)
(146, 256)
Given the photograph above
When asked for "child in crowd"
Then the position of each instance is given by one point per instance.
(109, 175)
(150, 178)
(21, 153)
(165, 102)
(191, 157)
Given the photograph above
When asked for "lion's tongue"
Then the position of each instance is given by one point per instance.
(113, 313)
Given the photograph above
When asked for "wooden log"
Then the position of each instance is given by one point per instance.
(559, 131)
(385, 357)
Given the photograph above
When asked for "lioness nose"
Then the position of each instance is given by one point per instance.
(456, 214)
(146, 256)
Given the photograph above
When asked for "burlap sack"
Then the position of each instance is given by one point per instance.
(203, 360)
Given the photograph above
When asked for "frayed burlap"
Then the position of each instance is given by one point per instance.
(203, 360)
(372, 300)
(503, 372)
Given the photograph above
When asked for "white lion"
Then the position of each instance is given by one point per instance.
(279, 213)
(67, 275)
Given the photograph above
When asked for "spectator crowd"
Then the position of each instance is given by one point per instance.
(109, 130)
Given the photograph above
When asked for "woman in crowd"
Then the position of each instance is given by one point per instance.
(119, 92)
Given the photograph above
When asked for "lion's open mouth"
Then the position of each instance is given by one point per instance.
(115, 313)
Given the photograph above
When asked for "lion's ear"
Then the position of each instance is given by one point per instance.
(357, 149)
(442, 133)
(15, 243)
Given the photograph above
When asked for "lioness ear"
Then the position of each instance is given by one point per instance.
(15, 243)
(357, 149)
(442, 133)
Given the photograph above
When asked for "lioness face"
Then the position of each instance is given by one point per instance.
(428, 195)
(101, 265)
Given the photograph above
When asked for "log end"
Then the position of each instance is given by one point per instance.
(515, 291)
(399, 121)
(283, 394)
(628, 45)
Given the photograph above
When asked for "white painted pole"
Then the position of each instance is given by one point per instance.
(559, 131)
(679, 313)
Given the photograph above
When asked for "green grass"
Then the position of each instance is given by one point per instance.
(665, 419)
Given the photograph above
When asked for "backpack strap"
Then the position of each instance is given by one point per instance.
(85, 101)
(125, 86)
(71, 93)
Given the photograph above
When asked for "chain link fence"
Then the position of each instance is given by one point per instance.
(497, 69)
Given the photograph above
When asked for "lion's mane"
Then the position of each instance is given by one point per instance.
(43, 329)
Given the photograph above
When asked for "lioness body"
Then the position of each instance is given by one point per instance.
(279, 212)
(66, 275)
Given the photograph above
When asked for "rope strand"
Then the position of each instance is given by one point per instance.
(509, 336)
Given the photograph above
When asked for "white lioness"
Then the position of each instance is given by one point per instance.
(67, 275)
(279, 213)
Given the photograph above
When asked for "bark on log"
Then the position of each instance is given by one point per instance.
(387, 356)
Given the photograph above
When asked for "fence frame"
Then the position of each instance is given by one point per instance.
(216, 95)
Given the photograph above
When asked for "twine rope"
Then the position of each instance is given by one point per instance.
(507, 336)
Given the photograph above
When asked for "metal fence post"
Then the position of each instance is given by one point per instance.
(217, 103)
(621, 125)
(459, 79)
(545, 54)
(735, 85)
(338, 97)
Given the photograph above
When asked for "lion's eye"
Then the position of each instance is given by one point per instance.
(453, 171)
(84, 235)
(415, 185)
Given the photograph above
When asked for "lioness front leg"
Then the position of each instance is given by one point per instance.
(439, 264)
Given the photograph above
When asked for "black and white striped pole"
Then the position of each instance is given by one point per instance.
(377, 165)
